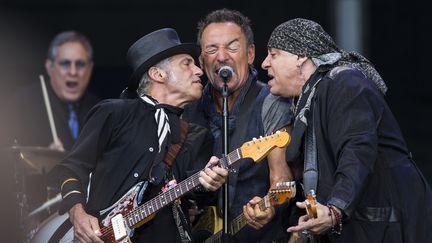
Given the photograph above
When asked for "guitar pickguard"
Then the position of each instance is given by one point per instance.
(123, 206)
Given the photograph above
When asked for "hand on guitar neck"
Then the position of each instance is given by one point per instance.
(213, 176)
(257, 215)
(319, 218)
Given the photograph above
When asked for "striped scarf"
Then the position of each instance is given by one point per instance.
(162, 121)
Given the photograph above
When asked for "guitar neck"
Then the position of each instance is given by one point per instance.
(140, 213)
(236, 224)
(240, 221)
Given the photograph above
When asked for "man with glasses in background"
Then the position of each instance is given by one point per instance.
(28, 148)
(69, 66)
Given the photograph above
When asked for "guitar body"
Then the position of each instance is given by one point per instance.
(123, 206)
(209, 223)
(49, 230)
(212, 223)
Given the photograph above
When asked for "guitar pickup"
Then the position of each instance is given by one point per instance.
(119, 227)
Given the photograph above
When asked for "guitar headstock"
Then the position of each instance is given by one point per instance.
(257, 149)
(283, 192)
(311, 205)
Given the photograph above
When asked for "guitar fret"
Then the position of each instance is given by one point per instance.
(170, 192)
(143, 215)
(163, 200)
(189, 183)
(154, 205)
(150, 208)
(132, 219)
(239, 156)
(177, 191)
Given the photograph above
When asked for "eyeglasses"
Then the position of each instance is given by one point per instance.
(66, 64)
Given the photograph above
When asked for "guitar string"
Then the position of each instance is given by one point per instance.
(105, 231)
(241, 220)
(108, 229)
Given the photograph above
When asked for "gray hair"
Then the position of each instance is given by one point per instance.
(145, 84)
(69, 36)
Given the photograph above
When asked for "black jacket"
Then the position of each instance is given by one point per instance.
(364, 165)
(118, 146)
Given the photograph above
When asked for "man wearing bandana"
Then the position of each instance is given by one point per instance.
(368, 188)
(125, 141)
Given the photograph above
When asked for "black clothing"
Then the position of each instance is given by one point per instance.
(28, 122)
(364, 166)
(118, 145)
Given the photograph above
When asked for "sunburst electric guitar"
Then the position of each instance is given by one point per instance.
(122, 217)
(280, 194)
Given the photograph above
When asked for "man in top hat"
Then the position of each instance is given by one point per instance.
(124, 142)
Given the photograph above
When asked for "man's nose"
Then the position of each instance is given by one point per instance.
(265, 63)
(73, 70)
(198, 71)
(222, 55)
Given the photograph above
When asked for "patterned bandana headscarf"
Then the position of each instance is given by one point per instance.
(307, 38)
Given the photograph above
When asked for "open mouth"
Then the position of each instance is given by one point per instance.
(71, 84)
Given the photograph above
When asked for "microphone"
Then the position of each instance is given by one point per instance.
(225, 73)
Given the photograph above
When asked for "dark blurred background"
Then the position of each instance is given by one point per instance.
(393, 34)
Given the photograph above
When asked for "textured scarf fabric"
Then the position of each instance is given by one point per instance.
(307, 38)
(167, 120)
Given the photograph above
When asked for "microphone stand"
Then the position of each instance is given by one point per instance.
(225, 190)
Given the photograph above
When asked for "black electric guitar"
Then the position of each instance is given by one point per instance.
(122, 217)
(275, 196)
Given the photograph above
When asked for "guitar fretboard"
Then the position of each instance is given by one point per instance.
(240, 221)
(153, 205)
(236, 224)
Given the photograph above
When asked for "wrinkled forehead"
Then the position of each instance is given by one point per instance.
(222, 34)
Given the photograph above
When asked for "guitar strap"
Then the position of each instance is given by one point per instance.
(179, 217)
(303, 126)
(173, 149)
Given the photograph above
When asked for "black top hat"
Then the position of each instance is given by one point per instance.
(155, 47)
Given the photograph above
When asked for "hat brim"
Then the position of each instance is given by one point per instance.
(184, 48)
